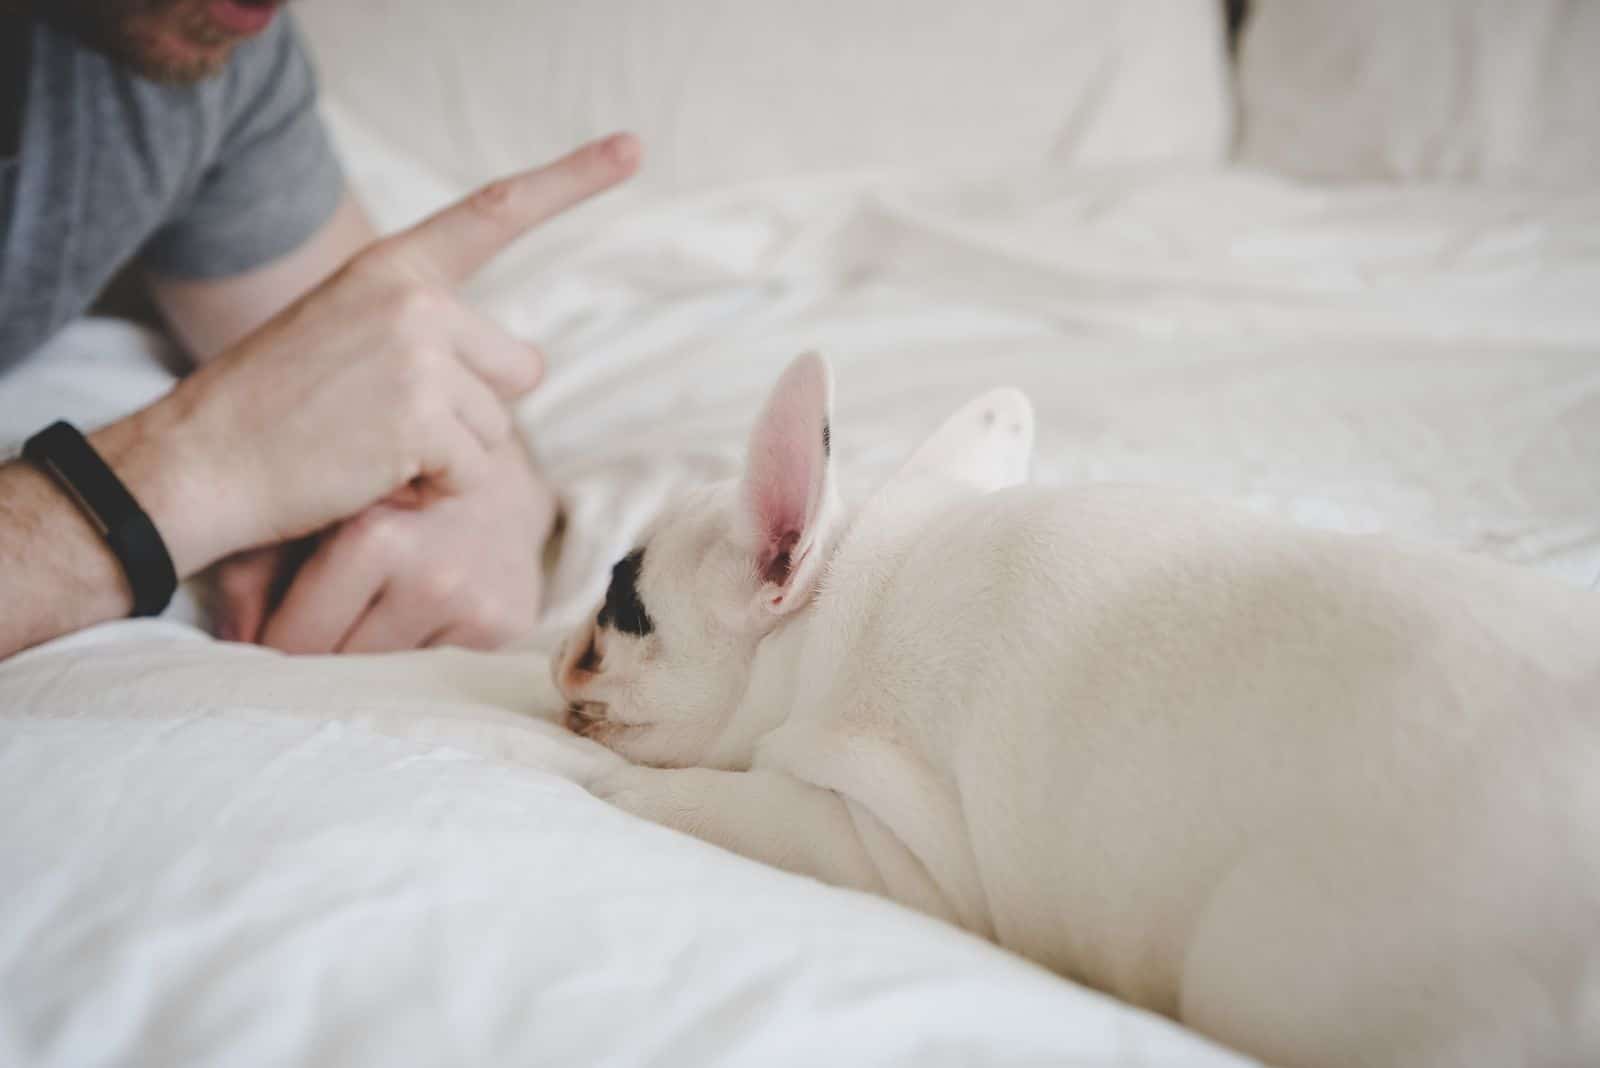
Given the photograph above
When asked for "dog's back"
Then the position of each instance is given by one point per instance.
(1263, 779)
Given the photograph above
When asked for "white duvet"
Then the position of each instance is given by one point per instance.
(213, 855)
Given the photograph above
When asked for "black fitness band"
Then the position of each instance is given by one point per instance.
(68, 458)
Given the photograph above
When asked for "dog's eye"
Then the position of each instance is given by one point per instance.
(623, 609)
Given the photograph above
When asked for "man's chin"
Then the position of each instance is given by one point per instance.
(172, 44)
(171, 59)
(178, 71)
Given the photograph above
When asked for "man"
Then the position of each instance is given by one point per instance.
(342, 389)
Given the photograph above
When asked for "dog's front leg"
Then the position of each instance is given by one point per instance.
(763, 814)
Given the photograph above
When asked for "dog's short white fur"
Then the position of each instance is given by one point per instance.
(1331, 800)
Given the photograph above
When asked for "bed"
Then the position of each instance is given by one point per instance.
(212, 854)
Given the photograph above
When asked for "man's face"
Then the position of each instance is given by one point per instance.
(172, 41)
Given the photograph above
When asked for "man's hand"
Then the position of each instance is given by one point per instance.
(463, 570)
(379, 379)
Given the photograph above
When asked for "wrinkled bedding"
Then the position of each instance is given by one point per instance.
(1421, 361)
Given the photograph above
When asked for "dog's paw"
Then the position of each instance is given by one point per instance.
(628, 787)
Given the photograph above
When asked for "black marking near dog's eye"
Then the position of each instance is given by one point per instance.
(827, 439)
(623, 608)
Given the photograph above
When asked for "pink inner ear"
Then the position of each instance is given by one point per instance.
(786, 469)
(777, 560)
(780, 489)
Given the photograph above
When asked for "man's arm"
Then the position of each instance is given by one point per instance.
(210, 315)
(465, 571)
(56, 573)
(377, 379)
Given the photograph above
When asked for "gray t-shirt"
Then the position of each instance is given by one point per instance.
(200, 181)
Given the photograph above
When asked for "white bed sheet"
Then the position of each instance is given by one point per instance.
(214, 855)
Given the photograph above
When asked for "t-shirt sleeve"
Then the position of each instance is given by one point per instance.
(273, 180)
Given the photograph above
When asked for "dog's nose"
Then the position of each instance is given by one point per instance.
(584, 717)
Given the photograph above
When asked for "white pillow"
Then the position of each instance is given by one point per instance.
(725, 91)
(1493, 91)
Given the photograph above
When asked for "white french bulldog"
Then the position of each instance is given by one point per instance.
(1331, 800)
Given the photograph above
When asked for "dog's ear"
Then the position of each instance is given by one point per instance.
(788, 487)
(986, 444)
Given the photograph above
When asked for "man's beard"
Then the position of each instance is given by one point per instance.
(175, 42)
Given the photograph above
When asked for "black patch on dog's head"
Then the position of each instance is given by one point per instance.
(827, 439)
(623, 608)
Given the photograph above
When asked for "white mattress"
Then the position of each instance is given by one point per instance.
(219, 856)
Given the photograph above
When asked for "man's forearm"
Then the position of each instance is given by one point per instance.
(209, 315)
(57, 574)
